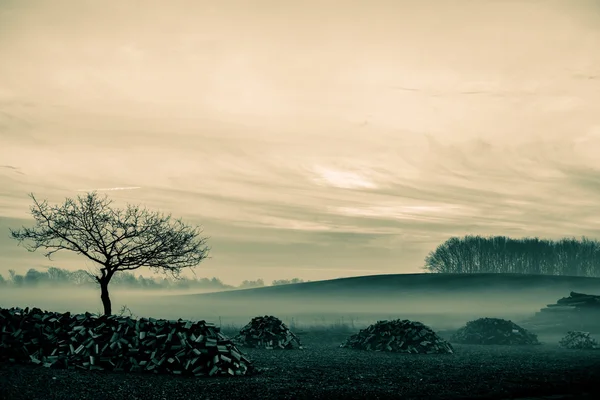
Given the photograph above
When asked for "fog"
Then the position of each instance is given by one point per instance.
(81, 299)
(435, 299)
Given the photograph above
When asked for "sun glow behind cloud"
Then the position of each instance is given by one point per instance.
(343, 179)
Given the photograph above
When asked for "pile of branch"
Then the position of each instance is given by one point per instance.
(267, 332)
(401, 336)
(578, 340)
(86, 341)
(493, 331)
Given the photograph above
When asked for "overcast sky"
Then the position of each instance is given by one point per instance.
(311, 139)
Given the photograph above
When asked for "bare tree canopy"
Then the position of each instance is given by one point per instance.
(500, 254)
(117, 239)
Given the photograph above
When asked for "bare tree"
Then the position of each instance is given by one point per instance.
(117, 239)
(500, 254)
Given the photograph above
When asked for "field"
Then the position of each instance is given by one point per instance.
(325, 371)
(324, 314)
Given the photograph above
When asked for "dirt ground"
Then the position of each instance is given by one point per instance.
(324, 371)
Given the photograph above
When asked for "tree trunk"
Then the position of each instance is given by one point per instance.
(105, 297)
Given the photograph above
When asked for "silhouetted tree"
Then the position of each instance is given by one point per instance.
(17, 280)
(119, 240)
(33, 277)
(252, 284)
(2, 280)
(58, 276)
(499, 254)
(278, 282)
(125, 279)
(83, 278)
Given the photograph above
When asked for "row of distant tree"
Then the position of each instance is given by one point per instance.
(61, 277)
(500, 254)
(469, 254)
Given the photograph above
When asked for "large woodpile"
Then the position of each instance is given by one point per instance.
(493, 331)
(86, 341)
(401, 336)
(578, 311)
(578, 340)
(267, 332)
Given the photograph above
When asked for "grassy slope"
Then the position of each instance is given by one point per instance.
(450, 298)
(378, 284)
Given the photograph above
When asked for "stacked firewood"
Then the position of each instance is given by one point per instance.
(578, 340)
(493, 331)
(575, 302)
(580, 300)
(578, 311)
(402, 336)
(267, 332)
(86, 341)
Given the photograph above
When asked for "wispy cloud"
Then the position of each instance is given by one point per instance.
(106, 189)
(256, 129)
(15, 170)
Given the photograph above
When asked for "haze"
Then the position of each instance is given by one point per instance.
(440, 300)
(313, 139)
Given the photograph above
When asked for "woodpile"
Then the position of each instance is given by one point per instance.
(578, 311)
(580, 300)
(400, 336)
(267, 332)
(86, 341)
(493, 331)
(578, 340)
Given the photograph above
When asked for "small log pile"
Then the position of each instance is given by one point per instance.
(578, 340)
(580, 300)
(267, 332)
(493, 331)
(399, 336)
(578, 311)
(86, 341)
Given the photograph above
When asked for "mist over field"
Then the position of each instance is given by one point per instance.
(440, 300)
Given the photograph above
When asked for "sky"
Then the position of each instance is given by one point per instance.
(312, 139)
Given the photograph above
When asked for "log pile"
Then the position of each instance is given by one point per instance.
(580, 300)
(493, 331)
(86, 341)
(578, 311)
(400, 336)
(267, 332)
(578, 340)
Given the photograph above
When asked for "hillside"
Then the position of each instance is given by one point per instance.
(418, 283)
(433, 298)
(438, 299)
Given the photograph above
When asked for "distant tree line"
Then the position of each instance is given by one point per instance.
(276, 282)
(61, 277)
(252, 284)
(500, 254)
(286, 281)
